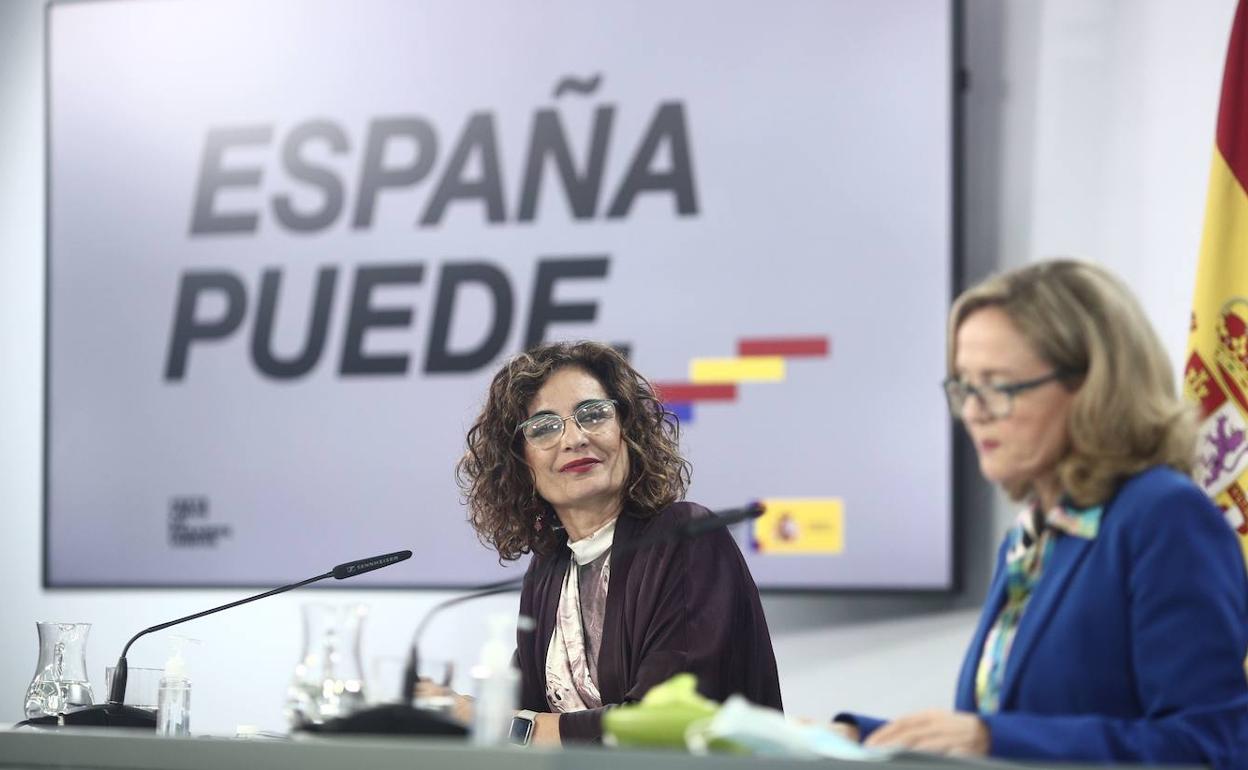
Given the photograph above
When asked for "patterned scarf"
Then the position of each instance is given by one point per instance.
(569, 686)
(1026, 554)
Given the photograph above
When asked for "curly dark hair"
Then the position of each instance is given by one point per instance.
(498, 485)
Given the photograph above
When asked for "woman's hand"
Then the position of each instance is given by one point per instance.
(545, 730)
(462, 706)
(936, 731)
(846, 730)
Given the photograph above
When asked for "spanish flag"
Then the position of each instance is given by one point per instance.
(1216, 372)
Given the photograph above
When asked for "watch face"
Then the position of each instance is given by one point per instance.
(521, 729)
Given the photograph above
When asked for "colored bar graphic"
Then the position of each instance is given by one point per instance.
(800, 527)
(749, 369)
(784, 346)
(683, 412)
(676, 392)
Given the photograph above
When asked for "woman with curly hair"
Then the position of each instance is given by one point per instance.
(571, 456)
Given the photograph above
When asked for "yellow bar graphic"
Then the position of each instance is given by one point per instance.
(744, 369)
(801, 526)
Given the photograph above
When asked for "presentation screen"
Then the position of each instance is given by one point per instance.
(291, 241)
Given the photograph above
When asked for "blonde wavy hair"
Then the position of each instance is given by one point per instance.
(1125, 415)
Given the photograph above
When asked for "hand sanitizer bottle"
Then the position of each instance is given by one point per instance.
(497, 685)
(173, 700)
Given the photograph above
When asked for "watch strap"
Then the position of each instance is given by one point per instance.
(525, 715)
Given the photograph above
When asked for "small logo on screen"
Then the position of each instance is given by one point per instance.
(189, 525)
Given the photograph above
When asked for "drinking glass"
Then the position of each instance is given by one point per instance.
(328, 680)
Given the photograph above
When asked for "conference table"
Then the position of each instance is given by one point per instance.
(86, 749)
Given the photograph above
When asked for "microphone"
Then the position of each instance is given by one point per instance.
(717, 520)
(116, 714)
(353, 568)
(405, 719)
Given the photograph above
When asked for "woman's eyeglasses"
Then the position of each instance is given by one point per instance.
(996, 400)
(543, 431)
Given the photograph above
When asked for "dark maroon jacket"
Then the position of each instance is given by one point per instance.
(686, 604)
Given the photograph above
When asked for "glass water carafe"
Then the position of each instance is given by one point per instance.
(60, 682)
(328, 680)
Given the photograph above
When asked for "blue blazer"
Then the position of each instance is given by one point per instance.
(1132, 646)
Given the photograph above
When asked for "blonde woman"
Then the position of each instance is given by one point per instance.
(1116, 625)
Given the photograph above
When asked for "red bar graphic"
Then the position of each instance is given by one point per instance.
(684, 392)
(784, 346)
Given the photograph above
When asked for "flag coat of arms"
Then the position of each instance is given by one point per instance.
(1216, 371)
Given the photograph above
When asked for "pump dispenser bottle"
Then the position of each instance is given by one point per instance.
(497, 686)
(173, 700)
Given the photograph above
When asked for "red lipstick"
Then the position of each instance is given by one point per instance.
(579, 466)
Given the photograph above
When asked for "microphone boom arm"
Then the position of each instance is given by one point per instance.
(117, 692)
(198, 615)
(411, 674)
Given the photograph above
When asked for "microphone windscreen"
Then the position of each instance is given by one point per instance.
(723, 518)
(353, 568)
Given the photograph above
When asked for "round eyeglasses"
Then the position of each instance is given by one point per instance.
(996, 400)
(543, 431)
